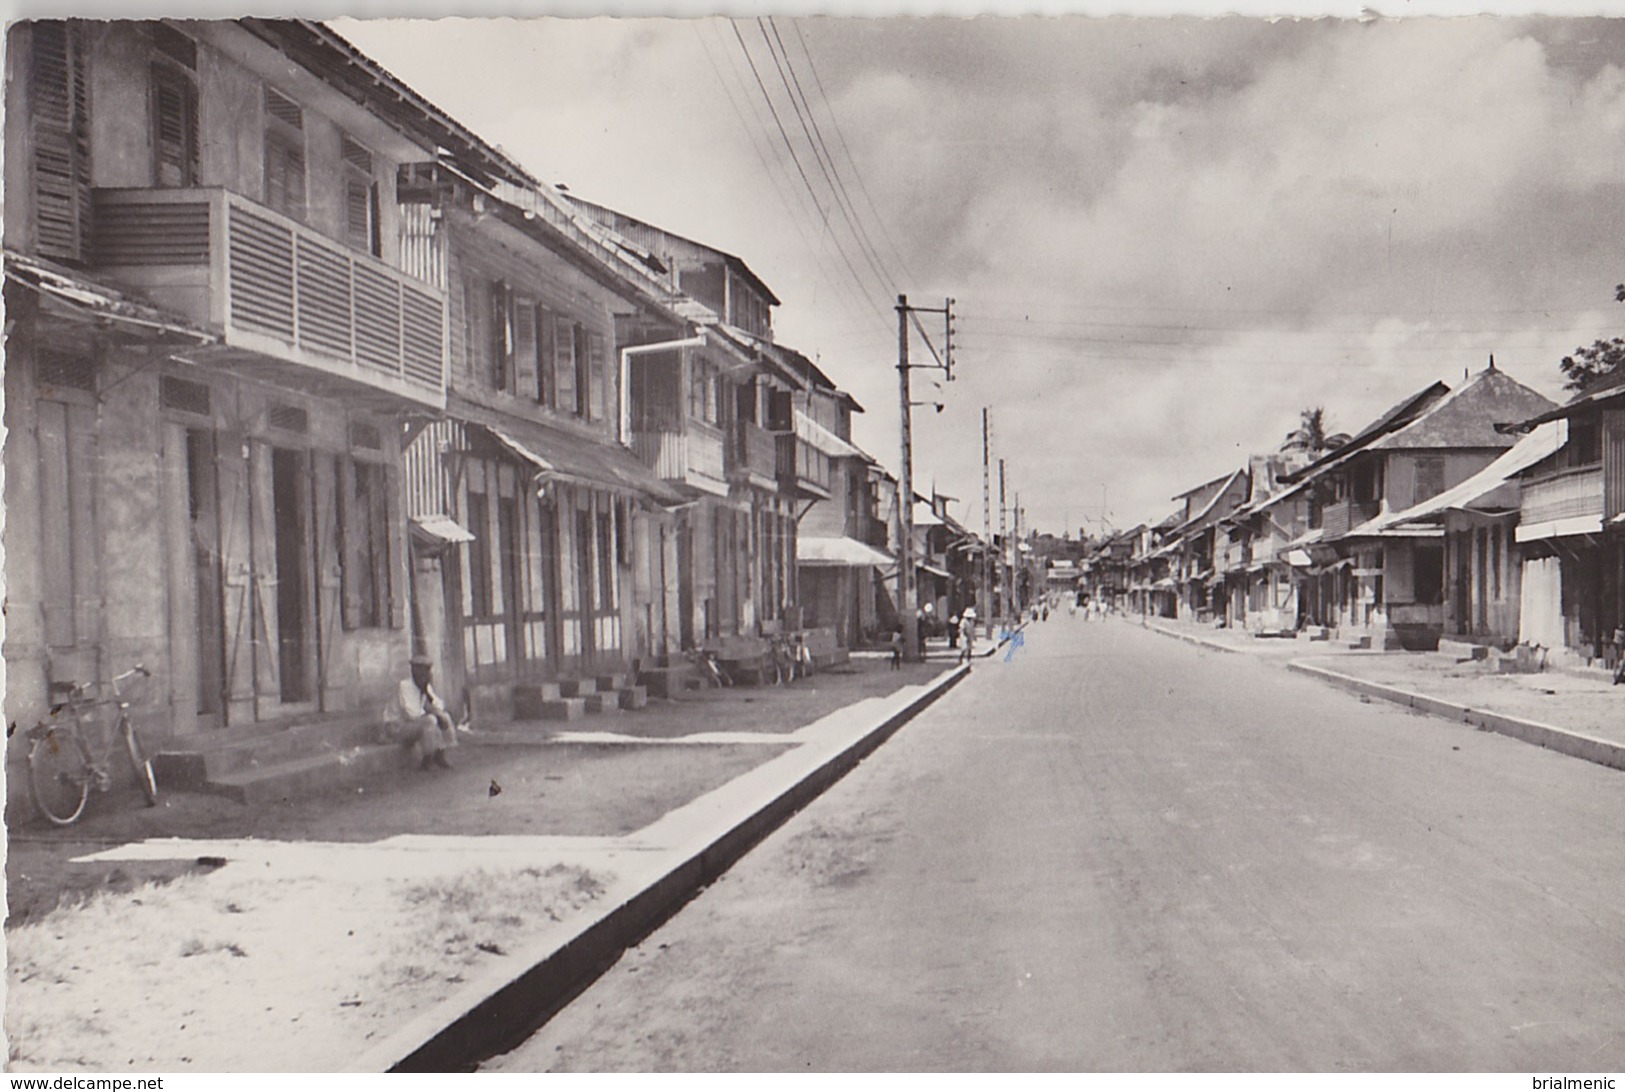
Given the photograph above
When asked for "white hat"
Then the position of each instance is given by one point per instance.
(970, 612)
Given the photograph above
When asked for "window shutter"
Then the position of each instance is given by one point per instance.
(544, 356)
(598, 378)
(60, 121)
(524, 344)
(564, 365)
(358, 214)
(175, 143)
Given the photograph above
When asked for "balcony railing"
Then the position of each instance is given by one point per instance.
(1340, 518)
(693, 458)
(802, 468)
(276, 289)
(1569, 494)
(754, 456)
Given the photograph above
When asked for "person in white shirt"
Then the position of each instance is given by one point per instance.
(418, 707)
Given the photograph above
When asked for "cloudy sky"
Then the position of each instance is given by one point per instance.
(1165, 237)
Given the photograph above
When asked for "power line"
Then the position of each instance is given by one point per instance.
(833, 175)
(800, 170)
(840, 136)
(815, 244)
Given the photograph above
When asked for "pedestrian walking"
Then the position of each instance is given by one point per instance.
(897, 649)
(967, 635)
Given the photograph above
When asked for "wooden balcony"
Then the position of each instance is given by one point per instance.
(1568, 494)
(1341, 518)
(693, 457)
(753, 457)
(291, 305)
(803, 469)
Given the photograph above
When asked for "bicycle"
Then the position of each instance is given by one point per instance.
(711, 671)
(61, 767)
(783, 660)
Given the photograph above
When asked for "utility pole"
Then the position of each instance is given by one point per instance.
(905, 496)
(986, 598)
(913, 651)
(1005, 600)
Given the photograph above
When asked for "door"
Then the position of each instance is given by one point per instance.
(209, 618)
(513, 597)
(296, 621)
(587, 585)
(685, 582)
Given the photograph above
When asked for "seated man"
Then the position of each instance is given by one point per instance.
(421, 714)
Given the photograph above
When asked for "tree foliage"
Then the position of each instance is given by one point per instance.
(1311, 435)
(1591, 362)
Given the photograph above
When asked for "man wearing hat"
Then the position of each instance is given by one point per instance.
(420, 708)
(967, 634)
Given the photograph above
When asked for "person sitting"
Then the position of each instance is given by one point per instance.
(423, 716)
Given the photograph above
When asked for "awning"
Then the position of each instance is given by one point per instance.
(440, 530)
(838, 552)
(823, 439)
(1557, 528)
(558, 456)
(80, 295)
(1298, 559)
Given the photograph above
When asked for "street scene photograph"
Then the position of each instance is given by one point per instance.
(771, 542)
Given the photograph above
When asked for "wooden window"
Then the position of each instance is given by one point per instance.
(544, 356)
(598, 366)
(583, 361)
(361, 206)
(60, 122)
(175, 126)
(564, 365)
(1429, 478)
(284, 155)
(500, 352)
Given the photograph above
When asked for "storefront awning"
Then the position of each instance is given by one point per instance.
(1557, 528)
(577, 461)
(838, 552)
(440, 530)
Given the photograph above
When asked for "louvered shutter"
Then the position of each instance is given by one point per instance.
(60, 122)
(564, 365)
(524, 344)
(598, 376)
(544, 356)
(175, 135)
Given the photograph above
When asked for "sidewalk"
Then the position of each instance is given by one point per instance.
(404, 922)
(1578, 713)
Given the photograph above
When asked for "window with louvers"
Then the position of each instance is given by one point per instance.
(284, 155)
(61, 125)
(175, 127)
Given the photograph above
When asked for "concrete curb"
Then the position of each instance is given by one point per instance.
(460, 1035)
(1200, 642)
(1575, 744)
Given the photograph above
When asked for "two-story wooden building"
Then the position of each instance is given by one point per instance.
(1392, 577)
(218, 339)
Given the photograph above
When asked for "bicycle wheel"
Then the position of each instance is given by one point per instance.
(140, 763)
(57, 765)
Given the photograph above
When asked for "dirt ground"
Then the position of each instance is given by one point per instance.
(327, 922)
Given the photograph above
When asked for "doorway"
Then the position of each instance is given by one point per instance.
(203, 526)
(295, 616)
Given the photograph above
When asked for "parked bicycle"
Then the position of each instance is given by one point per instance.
(789, 657)
(712, 673)
(62, 766)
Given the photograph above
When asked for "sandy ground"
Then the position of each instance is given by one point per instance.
(289, 936)
(367, 952)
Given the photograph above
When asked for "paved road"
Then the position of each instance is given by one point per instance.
(1119, 852)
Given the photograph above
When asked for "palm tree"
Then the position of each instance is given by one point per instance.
(1311, 437)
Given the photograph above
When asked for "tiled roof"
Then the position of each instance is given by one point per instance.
(1466, 418)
